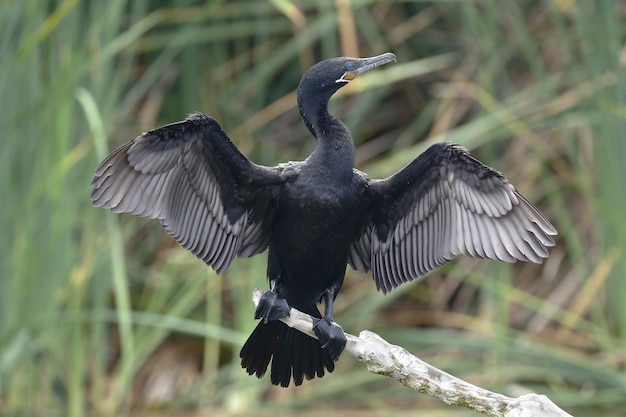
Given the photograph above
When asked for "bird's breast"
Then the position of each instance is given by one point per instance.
(314, 219)
(316, 223)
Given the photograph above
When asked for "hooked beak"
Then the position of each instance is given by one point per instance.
(365, 64)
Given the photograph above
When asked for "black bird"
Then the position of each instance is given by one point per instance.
(316, 216)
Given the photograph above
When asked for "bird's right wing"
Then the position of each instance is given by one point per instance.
(190, 176)
(443, 204)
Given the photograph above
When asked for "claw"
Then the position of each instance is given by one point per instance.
(331, 336)
(271, 307)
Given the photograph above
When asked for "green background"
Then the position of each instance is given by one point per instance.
(103, 314)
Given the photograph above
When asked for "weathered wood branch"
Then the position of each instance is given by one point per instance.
(383, 358)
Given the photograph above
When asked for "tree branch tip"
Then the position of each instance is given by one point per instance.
(384, 358)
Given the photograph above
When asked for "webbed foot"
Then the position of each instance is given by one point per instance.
(271, 307)
(331, 336)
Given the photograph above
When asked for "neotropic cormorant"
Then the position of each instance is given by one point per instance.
(316, 216)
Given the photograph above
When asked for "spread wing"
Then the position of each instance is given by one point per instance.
(191, 177)
(443, 204)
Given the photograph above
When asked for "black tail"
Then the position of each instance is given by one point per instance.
(294, 354)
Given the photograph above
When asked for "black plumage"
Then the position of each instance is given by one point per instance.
(316, 216)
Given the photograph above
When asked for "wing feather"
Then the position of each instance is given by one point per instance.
(443, 204)
(191, 177)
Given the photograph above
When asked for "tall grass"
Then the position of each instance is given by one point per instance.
(102, 314)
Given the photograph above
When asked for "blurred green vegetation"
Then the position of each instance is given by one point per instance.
(102, 314)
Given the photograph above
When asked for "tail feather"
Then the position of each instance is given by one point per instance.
(297, 362)
(255, 357)
(293, 354)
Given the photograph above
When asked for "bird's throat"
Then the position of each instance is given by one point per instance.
(335, 152)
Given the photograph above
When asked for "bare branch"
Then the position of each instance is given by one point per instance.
(393, 361)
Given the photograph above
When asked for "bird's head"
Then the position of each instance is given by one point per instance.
(323, 79)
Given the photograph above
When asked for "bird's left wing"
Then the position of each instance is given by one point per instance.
(443, 204)
(190, 176)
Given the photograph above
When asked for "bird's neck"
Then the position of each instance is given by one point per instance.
(334, 153)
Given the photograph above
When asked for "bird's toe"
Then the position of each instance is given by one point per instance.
(331, 336)
(271, 307)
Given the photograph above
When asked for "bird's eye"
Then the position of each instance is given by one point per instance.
(349, 67)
